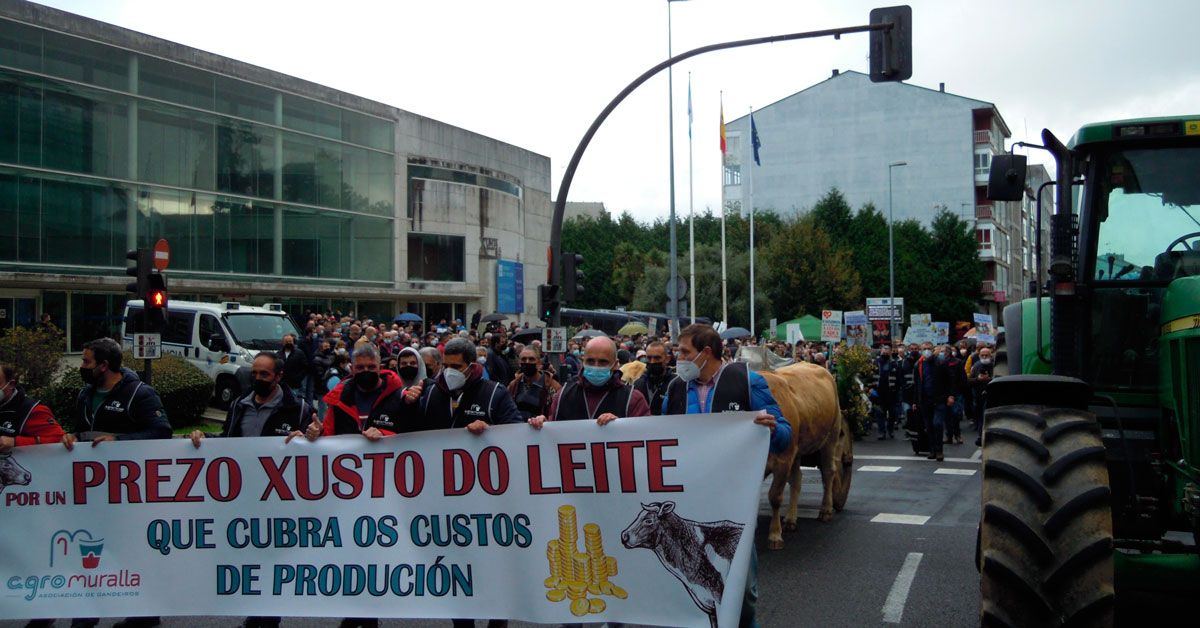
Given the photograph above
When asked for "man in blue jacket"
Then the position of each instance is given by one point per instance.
(705, 384)
(114, 404)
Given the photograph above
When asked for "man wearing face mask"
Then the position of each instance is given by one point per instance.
(462, 397)
(598, 393)
(888, 390)
(114, 404)
(295, 364)
(958, 390)
(653, 383)
(23, 421)
(532, 389)
(500, 361)
(933, 400)
(432, 358)
(705, 384)
(411, 368)
(373, 402)
(982, 372)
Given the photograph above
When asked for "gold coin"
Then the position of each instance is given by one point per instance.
(555, 595)
(619, 592)
(597, 606)
(594, 589)
(577, 595)
(550, 582)
(606, 588)
(610, 565)
(576, 586)
(580, 607)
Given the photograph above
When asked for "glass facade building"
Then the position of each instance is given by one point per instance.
(267, 188)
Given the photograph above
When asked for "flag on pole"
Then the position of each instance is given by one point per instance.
(689, 105)
(754, 139)
(722, 128)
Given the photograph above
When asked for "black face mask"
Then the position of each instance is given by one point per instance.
(289, 346)
(529, 370)
(366, 380)
(407, 372)
(89, 376)
(656, 370)
(263, 387)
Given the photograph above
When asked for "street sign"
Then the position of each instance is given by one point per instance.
(794, 334)
(162, 255)
(774, 325)
(831, 325)
(677, 290)
(147, 346)
(879, 308)
(554, 339)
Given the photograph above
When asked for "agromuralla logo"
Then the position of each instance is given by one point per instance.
(74, 570)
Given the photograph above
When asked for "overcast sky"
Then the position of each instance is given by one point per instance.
(535, 73)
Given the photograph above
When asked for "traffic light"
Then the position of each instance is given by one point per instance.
(156, 302)
(143, 263)
(572, 276)
(548, 304)
(891, 50)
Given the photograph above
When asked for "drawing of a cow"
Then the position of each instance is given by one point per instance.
(12, 473)
(698, 554)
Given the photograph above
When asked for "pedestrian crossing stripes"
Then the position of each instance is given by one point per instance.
(879, 469)
(912, 520)
(946, 471)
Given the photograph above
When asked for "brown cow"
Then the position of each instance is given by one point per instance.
(807, 396)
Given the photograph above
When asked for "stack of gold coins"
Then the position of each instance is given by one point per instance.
(568, 541)
(597, 565)
(576, 575)
(552, 557)
(577, 591)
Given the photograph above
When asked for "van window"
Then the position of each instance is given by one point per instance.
(209, 326)
(179, 328)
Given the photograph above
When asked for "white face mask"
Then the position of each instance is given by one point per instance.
(454, 378)
(687, 370)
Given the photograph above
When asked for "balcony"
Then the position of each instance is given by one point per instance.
(983, 137)
(983, 212)
(988, 287)
(987, 138)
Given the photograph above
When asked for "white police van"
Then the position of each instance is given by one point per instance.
(219, 338)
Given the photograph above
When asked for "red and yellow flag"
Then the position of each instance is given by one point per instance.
(722, 129)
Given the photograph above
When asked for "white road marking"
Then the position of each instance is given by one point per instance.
(977, 455)
(961, 460)
(893, 607)
(912, 520)
(879, 469)
(946, 471)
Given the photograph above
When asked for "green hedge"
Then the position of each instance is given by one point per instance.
(184, 389)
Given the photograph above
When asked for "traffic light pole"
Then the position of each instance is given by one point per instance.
(560, 202)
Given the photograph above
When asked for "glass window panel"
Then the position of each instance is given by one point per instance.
(9, 119)
(55, 304)
(245, 100)
(95, 316)
(20, 46)
(9, 216)
(171, 217)
(243, 235)
(382, 192)
(176, 149)
(84, 133)
(175, 82)
(29, 126)
(436, 257)
(355, 179)
(367, 130)
(316, 244)
(371, 242)
(312, 171)
(29, 219)
(86, 61)
(311, 116)
(245, 159)
(83, 223)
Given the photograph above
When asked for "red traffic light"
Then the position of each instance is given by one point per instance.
(157, 298)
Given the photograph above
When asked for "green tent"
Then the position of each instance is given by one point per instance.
(810, 326)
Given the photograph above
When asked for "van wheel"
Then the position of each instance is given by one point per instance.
(225, 392)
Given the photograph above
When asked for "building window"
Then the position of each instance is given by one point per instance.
(983, 163)
(984, 237)
(436, 257)
(733, 174)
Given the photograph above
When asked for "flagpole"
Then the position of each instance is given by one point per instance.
(753, 334)
(691, 207)
(724, 286)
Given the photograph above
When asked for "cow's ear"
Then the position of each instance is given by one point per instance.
(666, 508)
(651, 506)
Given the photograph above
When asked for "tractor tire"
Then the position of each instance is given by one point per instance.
(1045, 537)
(843, 466)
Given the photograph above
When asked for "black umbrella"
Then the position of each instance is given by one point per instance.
(589, 333)
(493, 317)
(527, 335)
(733, 333)
(406, 317)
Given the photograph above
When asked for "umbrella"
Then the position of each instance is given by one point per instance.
(493, 317)
(527, 335)
(589, 333)
(734, 333)
(407, 317)
(633, 328)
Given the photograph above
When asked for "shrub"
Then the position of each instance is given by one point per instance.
(853, 367)
(183, 388)
(36, 354)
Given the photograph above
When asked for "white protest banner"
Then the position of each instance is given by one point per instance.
(831, 325)
(941, 332)
(985, 330)
(794, 334)
(565, 524)
(857, 329)
(920, 320)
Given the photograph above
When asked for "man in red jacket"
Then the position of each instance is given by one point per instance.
(373, 402)
(23, 421)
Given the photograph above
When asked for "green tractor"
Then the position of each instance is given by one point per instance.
(1091, 457)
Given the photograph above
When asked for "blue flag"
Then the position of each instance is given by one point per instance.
(754, 138)
(689, 105)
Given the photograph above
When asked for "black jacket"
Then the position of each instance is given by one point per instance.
(498, 368)
(932, 382)
(132, 411)
(654, 391)
(295, 367)
(321, 362)
(481, 399)
(292, 414)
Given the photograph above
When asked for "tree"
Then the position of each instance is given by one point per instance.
(957, 271)
(809, 272)
(868, 242)
(651, 296)
(833, 214)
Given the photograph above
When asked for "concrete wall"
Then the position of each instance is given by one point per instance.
(845, 131)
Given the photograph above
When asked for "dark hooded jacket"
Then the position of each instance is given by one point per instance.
(389, 413)
(132, 410)
(478, 400)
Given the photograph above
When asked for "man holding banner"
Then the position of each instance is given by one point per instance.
(599, 393)
(460, 397)
(705, 384)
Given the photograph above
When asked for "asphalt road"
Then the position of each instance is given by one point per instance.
(903, 523)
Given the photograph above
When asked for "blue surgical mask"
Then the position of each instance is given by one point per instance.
(926, 353)
(597, 375)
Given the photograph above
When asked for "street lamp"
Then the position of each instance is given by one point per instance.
(673, 297)
(892, 252)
